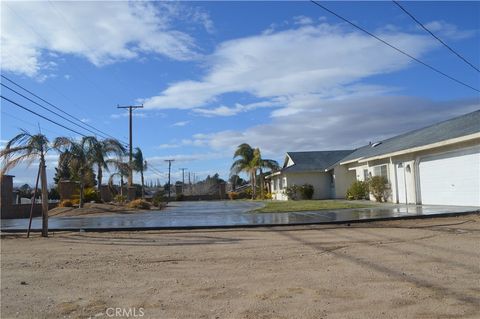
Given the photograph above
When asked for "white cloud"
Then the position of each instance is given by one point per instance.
(302, 20)
(340, 124)
(238, 108)
(181, 123)
(166, 146)
(157, 160)
(447, 30)
(35, 33)
(309, 59)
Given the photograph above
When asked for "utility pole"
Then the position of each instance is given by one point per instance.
(130, 109)
(183, 178)
(169, 168)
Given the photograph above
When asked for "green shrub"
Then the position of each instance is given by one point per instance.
(91, 195)
(358, 190)
(306, 191)
(65, 203)
(292, 192)
(139, 204)
(120, 198)
(378, 186)
(232, 195)
(158, 200)
(179, 197)
(268, 196)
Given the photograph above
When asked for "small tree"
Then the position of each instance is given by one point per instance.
(306, 191)
(358, 190)
(378, 186)
(292, 192)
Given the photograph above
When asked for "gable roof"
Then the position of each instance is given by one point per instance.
(457, 127)
(314, 161)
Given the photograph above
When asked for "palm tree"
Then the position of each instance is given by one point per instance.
(244, 163)
(100, 151)
(260, 163)
(122, 169)
(80, 159)
(26, 147)
(250, 161)
(139, 165)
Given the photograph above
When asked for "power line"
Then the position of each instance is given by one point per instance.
(29, 123)
(394, 47)
(47, 109)
(54, 106)
(40, 115)
(436, 37)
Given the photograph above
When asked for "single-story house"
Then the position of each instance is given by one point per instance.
(301, 168)
(437, 165)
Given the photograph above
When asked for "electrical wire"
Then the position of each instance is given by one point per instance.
(40, 115)
(436, 37)
(394, 47)
(54, 106)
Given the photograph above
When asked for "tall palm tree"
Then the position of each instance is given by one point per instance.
(244, 163)
(249, 160)
(100, 152)
(260, 163)
(80, 159)
(26, 147)
(139, 165)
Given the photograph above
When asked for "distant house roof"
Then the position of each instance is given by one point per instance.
(313, 161)
(457, 127)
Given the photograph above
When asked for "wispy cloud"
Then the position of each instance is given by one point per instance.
(181, 123)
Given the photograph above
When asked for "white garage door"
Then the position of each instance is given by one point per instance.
(451, 178)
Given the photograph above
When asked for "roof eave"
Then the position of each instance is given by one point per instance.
(460, 139)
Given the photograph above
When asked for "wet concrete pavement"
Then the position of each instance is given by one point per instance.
(228, 214)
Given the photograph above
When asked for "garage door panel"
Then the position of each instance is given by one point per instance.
(451, 179)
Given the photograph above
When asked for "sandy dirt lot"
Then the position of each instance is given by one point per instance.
(425, 268)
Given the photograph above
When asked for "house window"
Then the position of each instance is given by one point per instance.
(365, 174)
(380, 170)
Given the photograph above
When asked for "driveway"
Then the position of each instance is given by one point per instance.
(209, 214)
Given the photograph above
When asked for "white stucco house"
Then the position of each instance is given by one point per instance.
(301, 168)
(436, 165)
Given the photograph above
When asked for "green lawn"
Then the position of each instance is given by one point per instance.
(305, 205)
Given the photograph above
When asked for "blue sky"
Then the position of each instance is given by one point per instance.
(282, 76)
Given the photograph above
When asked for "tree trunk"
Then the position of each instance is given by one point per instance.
(99, 177)
(44, 197)
(121, 185)
(82, 189)
(262, 185)
(143, 187)
(254, 185)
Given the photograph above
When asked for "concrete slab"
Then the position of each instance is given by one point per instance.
(226, 214)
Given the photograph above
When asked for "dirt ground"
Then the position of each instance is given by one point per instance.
(426, 268)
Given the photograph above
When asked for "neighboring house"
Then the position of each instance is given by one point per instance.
(438, 164)
(310, 168)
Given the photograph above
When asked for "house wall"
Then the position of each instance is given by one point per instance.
(321, 182)
(410, 160)
(342, 179)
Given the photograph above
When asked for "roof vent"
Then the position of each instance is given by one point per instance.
(375, 144)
